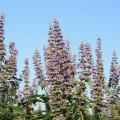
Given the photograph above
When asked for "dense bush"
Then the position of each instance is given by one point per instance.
(68, 89)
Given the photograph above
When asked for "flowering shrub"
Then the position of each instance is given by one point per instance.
(66, 89)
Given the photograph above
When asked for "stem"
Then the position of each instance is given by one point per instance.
(81, 115)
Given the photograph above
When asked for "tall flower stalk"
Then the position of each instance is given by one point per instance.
(113, 85)
(11, 74)
(38, 69)
(25, 76)
(98, 86)
(3, 86)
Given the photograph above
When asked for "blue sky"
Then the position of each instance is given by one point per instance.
(27, 23)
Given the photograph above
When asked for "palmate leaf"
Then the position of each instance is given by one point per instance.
(11, 112)
(38, 98)
(6, 113)
(18, 109)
